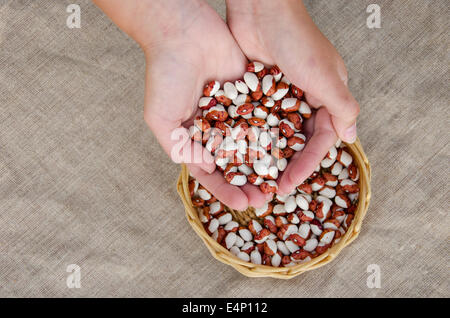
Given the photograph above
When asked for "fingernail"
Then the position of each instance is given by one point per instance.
(350, 134)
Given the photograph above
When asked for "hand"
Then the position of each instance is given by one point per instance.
(186, 44)
(282, 33)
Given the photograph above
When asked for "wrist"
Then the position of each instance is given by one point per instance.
(164, 21)
(152, 22)
(262, 7)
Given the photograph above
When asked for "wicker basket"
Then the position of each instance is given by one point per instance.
(242, 217)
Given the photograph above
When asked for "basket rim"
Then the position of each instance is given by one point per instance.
(252, 270)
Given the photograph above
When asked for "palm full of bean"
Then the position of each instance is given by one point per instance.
(177, 71)
(203, 48)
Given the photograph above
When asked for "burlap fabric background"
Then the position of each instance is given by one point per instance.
(83, 181)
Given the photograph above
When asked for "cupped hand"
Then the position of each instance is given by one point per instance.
(282, 33)
(196, 47)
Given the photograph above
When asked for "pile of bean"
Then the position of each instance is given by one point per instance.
(258, 125)
(291, 229)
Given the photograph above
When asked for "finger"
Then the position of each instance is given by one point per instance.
(337, 122)
(268, 196)
(176, 142)
(308, 126)
(215, 183)
(255, 197)
(312, 100)
(332, 91)
(325, 85)
(304, 164)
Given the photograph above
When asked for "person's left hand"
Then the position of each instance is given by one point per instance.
(282, 33)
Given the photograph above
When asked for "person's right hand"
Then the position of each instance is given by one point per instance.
(186, 44)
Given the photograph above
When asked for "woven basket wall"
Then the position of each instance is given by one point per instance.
(242, 217)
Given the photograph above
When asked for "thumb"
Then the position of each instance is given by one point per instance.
(333, 92)
(327, 87)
